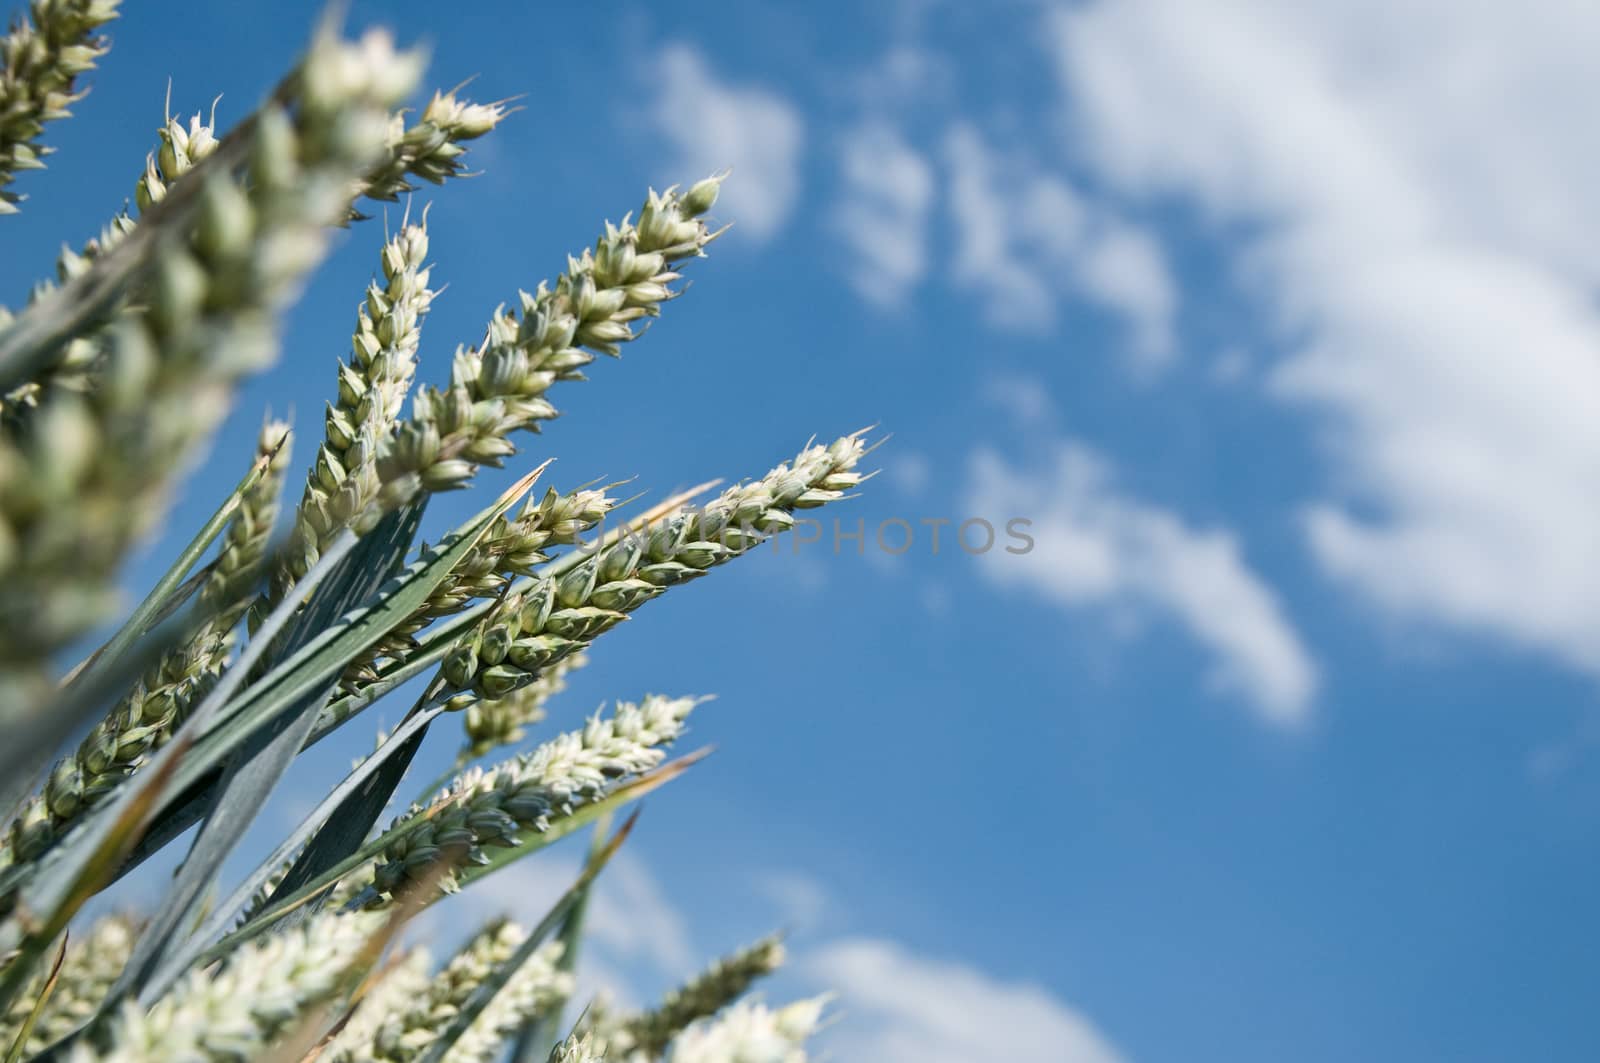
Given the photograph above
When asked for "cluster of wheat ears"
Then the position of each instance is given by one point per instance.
(270, 633)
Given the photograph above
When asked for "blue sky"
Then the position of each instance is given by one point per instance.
(1277, 321)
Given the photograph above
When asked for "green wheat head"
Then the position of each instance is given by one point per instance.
(281, 624)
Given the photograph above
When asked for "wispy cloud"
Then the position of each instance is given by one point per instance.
(713, 124)
(1419, 180)
(1025, 238)
(1097, 547)
(888, 195)
(896, 1004)
(1021, 396)
(905, 1007)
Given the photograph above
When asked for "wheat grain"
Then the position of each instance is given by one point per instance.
(752, 1033)
(490, 725)
(233, 1015)
(91, 965)
(342, 484)
(649, 1033)
(498, 387)
(579, 1048)
(395, 993)
(483, 809)
(88, 477)
(143, 719)
(40, 62)
(538, 986)
(244, 544)
(513, 545)
(405, 1028)
(531, 630)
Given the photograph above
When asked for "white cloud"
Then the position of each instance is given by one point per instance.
(894, 1005)
(1095, 547)
(901, 1007)
(910, 470)
(1025, 237)
(1421, 179)
(713, 125)
(883, 215)
(801, 899)
(1231, 366)
(907, 76)
(1022, 397)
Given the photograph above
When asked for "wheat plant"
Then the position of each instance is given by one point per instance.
(279, 625)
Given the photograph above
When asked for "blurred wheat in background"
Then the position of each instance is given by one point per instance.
(278, 625)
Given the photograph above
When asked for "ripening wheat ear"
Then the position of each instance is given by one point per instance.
(430, 149)
(396, 1029)
(749, 1031)
(486, 809)
(111, 379)
(99, 469)
(249, 247)
(558, 615)
(492, 724)
(236, 1013)
(579, 1048)
(41, 60)
(144, 719)
(649, 1033)
(180, 149)
(343, 481)
(497, 388)
(392, 992)
(88, 970)
(514, 546)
